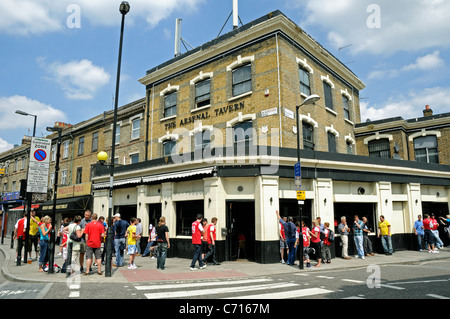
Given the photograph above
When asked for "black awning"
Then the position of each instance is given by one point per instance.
(67, 205)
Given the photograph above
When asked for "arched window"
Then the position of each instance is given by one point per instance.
(308, 136)
(425, 149)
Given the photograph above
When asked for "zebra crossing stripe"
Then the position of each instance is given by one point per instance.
(212, 291)
(308, 292)
(201, 284)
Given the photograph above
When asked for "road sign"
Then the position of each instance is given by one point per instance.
(301, 195)
(298, 176)
(38, 166)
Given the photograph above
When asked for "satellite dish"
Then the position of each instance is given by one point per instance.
(397, 157)
(396, 147)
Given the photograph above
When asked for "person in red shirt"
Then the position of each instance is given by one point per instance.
(429, 237)
(315, 241)
(326, 252)
(94, 231)
(306, 242)
(210, 232)
(283, 243)
(197, 231)
(19, 234)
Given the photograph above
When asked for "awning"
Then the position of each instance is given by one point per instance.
(157, 177)
(20, 208)
(67, 205)
(178, 175)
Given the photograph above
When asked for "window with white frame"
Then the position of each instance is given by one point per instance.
(169, 147)
(134, 158)
(79, 176)
(331, 142)
(379, 148)
(345, 104)
(135, 128)
(64, 177)
(170, 104)
(81, 145)
(94, 141)
(243, 132)
(24, 160)
(328, 95)
(305, 86)
(117, 134)
(308, 136)
(202, 139)
(66, 149)
(242, 80)
(53, 152)
(426, 150)
(203, 93)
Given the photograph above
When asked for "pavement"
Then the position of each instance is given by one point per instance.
(178, 268)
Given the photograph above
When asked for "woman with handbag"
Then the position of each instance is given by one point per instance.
(44, 237)
(75, 233)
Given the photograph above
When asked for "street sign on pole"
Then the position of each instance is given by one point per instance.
(38, 166)
(298, 176)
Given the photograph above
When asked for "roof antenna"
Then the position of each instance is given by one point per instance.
(236, 18)
(179, 39)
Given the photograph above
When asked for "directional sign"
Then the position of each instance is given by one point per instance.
(298, 176)
(38, 167)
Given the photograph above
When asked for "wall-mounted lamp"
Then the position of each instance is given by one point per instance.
(386, 201)
(165, 203)
(140, 204)
(209, 200)
(324, 201)
(271, 200)
(417, 201)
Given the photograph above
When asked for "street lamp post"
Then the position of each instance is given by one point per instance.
(28, 195)
(309, 100)
(51, 253)
(124, 9)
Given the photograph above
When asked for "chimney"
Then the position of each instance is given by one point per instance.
(427, 111)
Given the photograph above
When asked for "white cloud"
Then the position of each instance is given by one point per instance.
(4, 145)
(410, 106)
(46, 114)
(427, 62)
(29, 17)
(404, 25)
(78, 79)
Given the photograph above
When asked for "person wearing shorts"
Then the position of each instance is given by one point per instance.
(94, 232)
(131, 241)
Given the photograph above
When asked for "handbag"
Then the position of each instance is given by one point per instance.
(74, 236)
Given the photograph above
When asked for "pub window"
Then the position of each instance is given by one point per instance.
(331, 142)
(308, 136)
(169, 147)
(380, 148)
(328, 95)
(170, 104)
(202, 139)
(203, 93)
(305, 87)
(243, 132)
(346, 107)
(242, 80)
(425, 149)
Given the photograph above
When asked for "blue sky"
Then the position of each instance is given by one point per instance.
(64, 71)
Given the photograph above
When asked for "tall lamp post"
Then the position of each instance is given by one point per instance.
(28, 195)
(51, 253)
(308, 101)
(124, 9)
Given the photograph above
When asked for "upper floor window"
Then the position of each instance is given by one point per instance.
(328, 95)
(380, 148)
(117, 134)
(425, 149)
(331, 142)
(305, 86)
(53, 152)
(94, 141)
(243, 132)
(135, 128)
(203, 93)
(79, 178)
(169, 147)
(170, 104)
(346, 107)
(202, 139)
(242, 79)
(64, 177)
(134, 158)
(308, 136)
(81, 145)
(65, 149)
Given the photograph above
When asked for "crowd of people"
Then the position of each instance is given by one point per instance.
(318, 239)
(86, 237)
